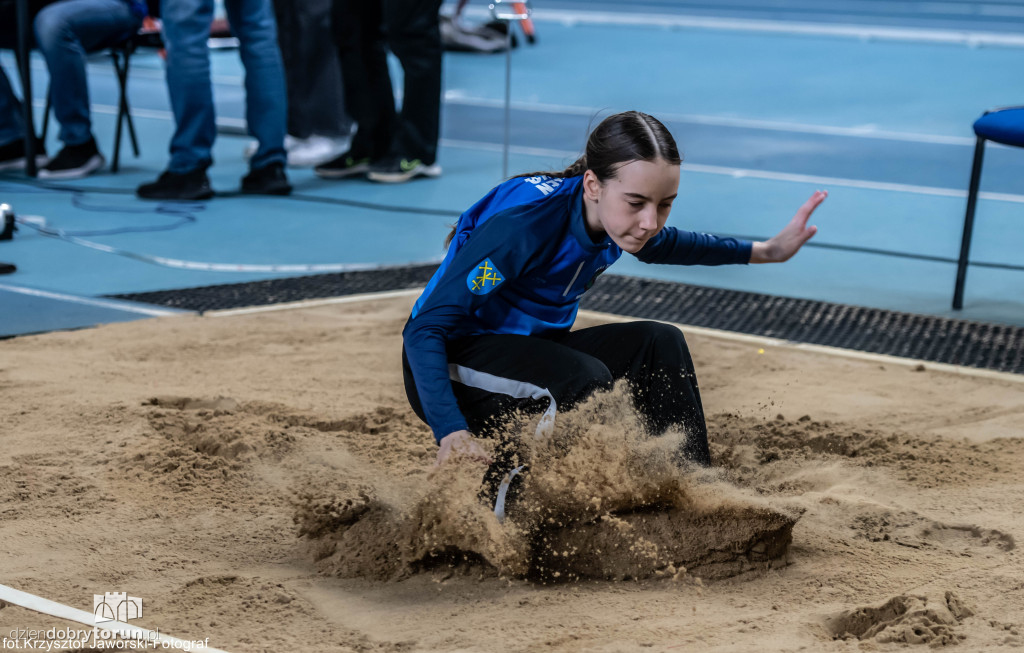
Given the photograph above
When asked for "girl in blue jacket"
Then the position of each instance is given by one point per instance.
(490, 334)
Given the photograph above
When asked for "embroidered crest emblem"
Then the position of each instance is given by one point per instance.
(484, 278)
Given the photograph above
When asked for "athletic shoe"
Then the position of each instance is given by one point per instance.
(268, 180)
(343, 166)
(12, 155)
(312, 151)
(191, 185)
(396, 171)
(73, 161)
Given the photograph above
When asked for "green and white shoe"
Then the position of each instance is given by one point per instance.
(396, 171)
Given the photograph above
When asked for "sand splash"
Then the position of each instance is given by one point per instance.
(601, 500)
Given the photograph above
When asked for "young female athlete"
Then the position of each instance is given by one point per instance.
(491, 332)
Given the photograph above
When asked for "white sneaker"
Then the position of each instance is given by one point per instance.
(316, 150)
(307, 152)
(250, 149)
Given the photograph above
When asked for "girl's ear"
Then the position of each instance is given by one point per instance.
(591, 185)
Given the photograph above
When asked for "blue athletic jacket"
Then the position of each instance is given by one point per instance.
(520, 261)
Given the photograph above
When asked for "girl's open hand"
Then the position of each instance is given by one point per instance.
(788, 242)
(460, 446)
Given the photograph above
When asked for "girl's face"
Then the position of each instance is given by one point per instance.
(633, 206)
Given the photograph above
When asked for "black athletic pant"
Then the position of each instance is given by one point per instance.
(652, 356)
(311, 69)
(364, 30)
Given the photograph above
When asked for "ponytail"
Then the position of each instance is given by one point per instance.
(619, 139)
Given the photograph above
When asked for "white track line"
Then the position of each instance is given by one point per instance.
(456, 96)
(61, 611)
(714, 333)
(312, 303)
(91, 301)
(863, 131)
(862, 32)
(759, 174)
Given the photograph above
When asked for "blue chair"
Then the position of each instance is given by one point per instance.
(1004, 126)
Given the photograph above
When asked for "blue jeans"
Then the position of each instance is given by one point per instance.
(186, 28)
(65, 32)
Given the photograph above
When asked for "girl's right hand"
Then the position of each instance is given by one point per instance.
(461, 446)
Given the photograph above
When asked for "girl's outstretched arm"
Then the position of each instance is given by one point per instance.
(788, 242)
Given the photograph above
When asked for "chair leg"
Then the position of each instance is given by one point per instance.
(115, 162)
(127, 54)
(965, 241)
(46, 116)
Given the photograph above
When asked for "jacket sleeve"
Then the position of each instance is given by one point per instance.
(678, 247)
(495, 254)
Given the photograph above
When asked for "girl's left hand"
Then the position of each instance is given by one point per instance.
(788, 242)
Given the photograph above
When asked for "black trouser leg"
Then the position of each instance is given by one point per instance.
(653, 357)
(311, 68)
(413, 34)
(369, 98)
(655, 360)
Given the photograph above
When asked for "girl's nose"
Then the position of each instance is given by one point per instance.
(648, 219)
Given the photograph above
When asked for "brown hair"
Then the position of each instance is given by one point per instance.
(616, 141)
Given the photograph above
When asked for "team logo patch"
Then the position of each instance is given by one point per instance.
(484, 278)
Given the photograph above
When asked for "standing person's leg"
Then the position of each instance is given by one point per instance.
(65, 32)
(655, 360)
(12, 127)
(318, 129)
(186, 30)
(369, 97)
(266, 103)
(312, 71)
(413, 34)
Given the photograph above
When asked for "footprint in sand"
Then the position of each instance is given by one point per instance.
(911, 529)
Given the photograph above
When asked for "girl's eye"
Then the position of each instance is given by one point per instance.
(636, 205)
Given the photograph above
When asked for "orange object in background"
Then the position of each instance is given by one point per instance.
(525, 23)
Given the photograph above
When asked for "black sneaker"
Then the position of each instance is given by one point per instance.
(268, 180)
(343, 166)
(191, 185)
(73, 161)
(12, 155)
(396, 171)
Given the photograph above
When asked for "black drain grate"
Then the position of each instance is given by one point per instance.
(291, 289)
(908, 335)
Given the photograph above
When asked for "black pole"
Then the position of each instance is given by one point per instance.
(965, 242)
(24, 36)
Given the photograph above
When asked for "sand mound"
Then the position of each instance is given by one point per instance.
(905, 619)
(603, 500)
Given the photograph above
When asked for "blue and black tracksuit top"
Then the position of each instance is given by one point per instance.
(519, 263)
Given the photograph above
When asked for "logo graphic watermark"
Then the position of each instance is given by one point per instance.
(116, 606)
(107, 608)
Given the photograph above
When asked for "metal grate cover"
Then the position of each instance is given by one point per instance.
(941, 340)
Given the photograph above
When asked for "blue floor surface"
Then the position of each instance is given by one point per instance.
(763, 120)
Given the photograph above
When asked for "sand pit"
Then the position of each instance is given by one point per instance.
(259, 480)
